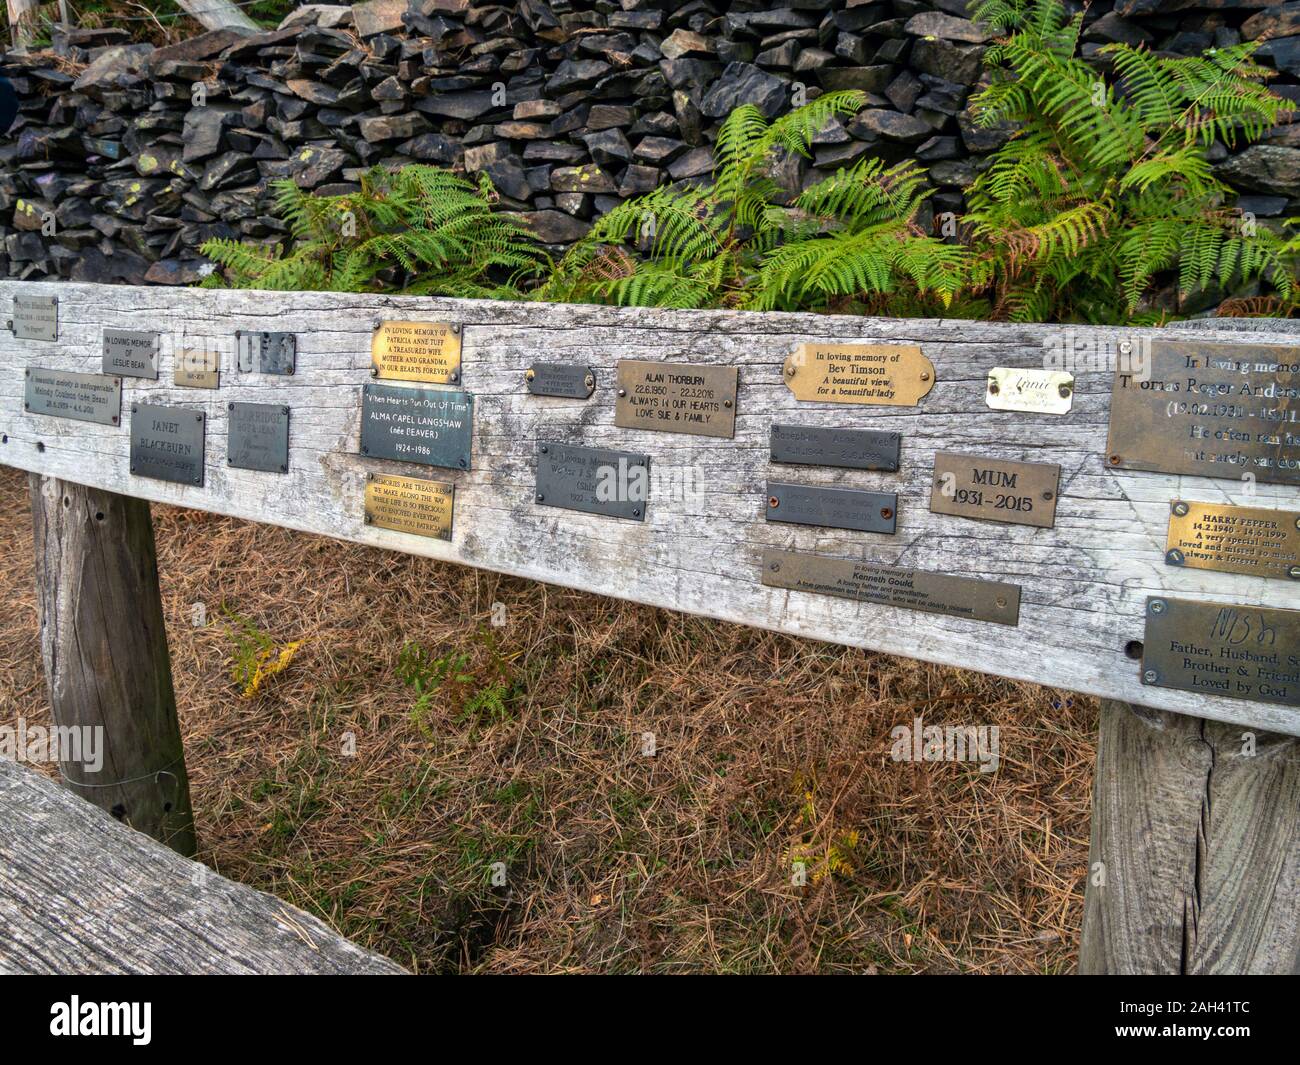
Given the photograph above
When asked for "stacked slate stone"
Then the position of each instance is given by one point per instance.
(139, 154)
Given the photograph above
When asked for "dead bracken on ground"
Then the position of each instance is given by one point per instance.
(520, 746)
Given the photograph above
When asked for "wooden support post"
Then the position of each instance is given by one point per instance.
(22, 22)
(1195, 855)
(217, 15)
(105, 651)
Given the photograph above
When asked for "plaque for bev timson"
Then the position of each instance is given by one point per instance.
(1223, 649)
(167, 443)
(912, 589)
(425, 425)
(832, 508)
(1217, 410)
(853, 449)
(87, 397)
(672, 397)
(36, 317)
(973, 486)
(1253, 540)
(594, 480)
(896, 375)
(258, 437)
(416, 351)
(410, 505)
(131, 353)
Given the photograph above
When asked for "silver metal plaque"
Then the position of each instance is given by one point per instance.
(36, 317)
(265, 352)
(258, 437)
(569, 380)
(430, 426)
(131, 353)
(87, 397)
(834, 508)
(853, 449)
(594, 480)
(167, 443)
(1030, 391)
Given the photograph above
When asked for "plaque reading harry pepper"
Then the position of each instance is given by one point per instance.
(1253, 540)
(167, 443)
(87, 397)
(416, 351)
(410, 505)
(671, 397)
(259, 437)
(131, 353)
(896, 375)
(424, 425)
(973, 486)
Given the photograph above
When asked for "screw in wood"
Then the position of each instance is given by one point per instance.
(1157, 606)
(886, 512)
(773, 502)
(789, 371)
(1047, 497)
(622, 391)
(1000, 602)
(1294, 573)
(529, 374)
(1065, 391)
(925, 375)
(993, 388)
(543, 449)
(727, 403)
(1180, 508)
(1150, 676)
(636, 512)
(1174, 557)
(541, 498)
(1114, 460)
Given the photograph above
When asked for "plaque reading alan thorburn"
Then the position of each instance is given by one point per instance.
(594, 480)
(87, 397)
(259, 437)
(131, 353)
(416, 351)
(673, 397)
(167, 443)
(410, 505)
(424, 425)
(974, 486)
(1253, 540)
(895, 375)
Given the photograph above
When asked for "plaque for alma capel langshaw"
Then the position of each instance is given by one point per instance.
(434, 427)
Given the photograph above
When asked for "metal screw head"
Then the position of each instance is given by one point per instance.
(622, 391)
(454, 376)
(1114, 460)
(993, 388)
(1001, 602)
(374, 371)
(775, 567)
(455, 329)
(789, 371)
(1157, 606)
(369, 519)
(464, 463)
(636, 512)
(543, 449)
(1065, 391)
(230, 406)
(925, 375)
(1047, 497)
(1294, 573)
(1150, 676)
(886, 512)
(727, 404)
(1174, 557)
(773, 502)
(541, 498)
(529, 374)
(1180, 508)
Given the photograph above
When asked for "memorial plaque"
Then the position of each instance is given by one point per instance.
(1213, 409)
(911, 589)
(594, 480)
(87, 397)
(167, 443)
(131, 353)
(1030, 391)
(266, 352)
(854, 449)
(1242, 652)
(36, 317)
(834, 508)
(570, 380)
(975, 486)
(896, 375)
(410, 505)
(1253, 540)
(416, 351)
(673, 397)
(258, 437)
(424, 425)
(198, 368)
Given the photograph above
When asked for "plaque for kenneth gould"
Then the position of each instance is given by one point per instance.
(671, 397)
(131, 353)
(87, 397)
(258, 437)
(167, 443)
(425, 425)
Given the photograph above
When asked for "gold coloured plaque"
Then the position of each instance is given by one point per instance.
(897, 375)
(1029, 391)
(416, 351)
(674, 397)
(973, 486)
(198, 368)
(410, 505)
(1253, 540)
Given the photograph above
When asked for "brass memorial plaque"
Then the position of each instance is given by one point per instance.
(1253, 540)
(1029, 391)
(198, 368)
(1241, 652)
(1213, 409)
(973, 486)
(410, 505)
(897, 375)
(672, 397)
(416, 351)
(912, 589)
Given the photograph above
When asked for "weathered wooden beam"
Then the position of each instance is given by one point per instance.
(1195, 854)
(106, 663)
(217, 15)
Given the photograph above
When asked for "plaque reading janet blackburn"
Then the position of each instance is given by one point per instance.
(672, 397)
(1223, 649)
(87, 397)
(568, 380)
(832, 508)
(1252, 540)
(1213, 409)
(258, 437)
(167, 443)
(410, 505)
(854, 449)
(425, 425)
(131, 353)
(594, 480)
(912, 589)
(416, 351)
(973, 486)
(36, 317)
(896, 375)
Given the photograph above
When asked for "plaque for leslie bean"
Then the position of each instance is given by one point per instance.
(167, 443)
(567, 380)
(832, 508)
(973, 486)
(131, 353)
(425, 425)
(36, 317)
(671, 397)
(896, 375)
(853, 449)
(1029, 391)
(416, 351)
(1252, 540)
(87, 397)
(259, 437)
(594, 480)
(410, 505)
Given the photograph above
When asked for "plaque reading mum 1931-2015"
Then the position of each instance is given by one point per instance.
(416, 351)
(1252, 540)
(1223, 649)
(131, 353)
(410, 505)
(1214, 409)
(258, 437)
(912, 589)
(671, 397)
(425, 425)
(832, 508)
(896, 375)
(975, 486)
(167, 443)
(567, 380)
(36, 317)
(87, 397)
(853, 449)
(594, 480)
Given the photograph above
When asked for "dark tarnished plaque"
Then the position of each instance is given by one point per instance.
(131, 353)
(1253, 540)
(672, 397)
(570, 380)
(594, 480)
(258, 437)
(410, 505)
(416, 351)
(1213, 409)
(425, 425)
(896, 375)
(167, 443)
(853, 449)
(1242, 652)
(266, 352)
(834, 508)
(87, 397)
(912, 589)
(975, 486)
(36, 317)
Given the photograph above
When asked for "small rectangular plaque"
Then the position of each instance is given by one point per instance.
(1030, 391)
(198, 368)
(1215, 649)
(974, 486)
(896, 375)
(1216, 536)
(912, 589)
(853, 449)
(410, 505)
(594, 480)
(425, 425)
(131, 353)
(258, 437)
(834, 508)
(87, 397)
(1213, 409)
(267, 352)
(36, 317)
(416, 351)
(673, 397)
(167, 443)
(570, 380)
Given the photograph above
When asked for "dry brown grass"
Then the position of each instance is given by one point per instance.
(769, 748)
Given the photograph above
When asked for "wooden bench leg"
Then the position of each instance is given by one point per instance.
(105, 651)
(1195, 854)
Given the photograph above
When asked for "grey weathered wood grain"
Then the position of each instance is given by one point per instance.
(1198, 841)
(1084, 582)
(81, 893)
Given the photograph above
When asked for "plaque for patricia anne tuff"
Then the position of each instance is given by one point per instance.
(594, 480)
(1029, 391)
(426, 425)
(854, 449)
(674, 397)
(87, 397)
(131, 353)
(36, 317)
(1252, 540)
(258, 437)
(167, 443)
(1213, 409)
(416, 351)
(896, 375)
(1223, 649)
(832, 508)
(410, 505)
(973, 486)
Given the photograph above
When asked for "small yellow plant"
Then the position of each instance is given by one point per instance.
(257, 655)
